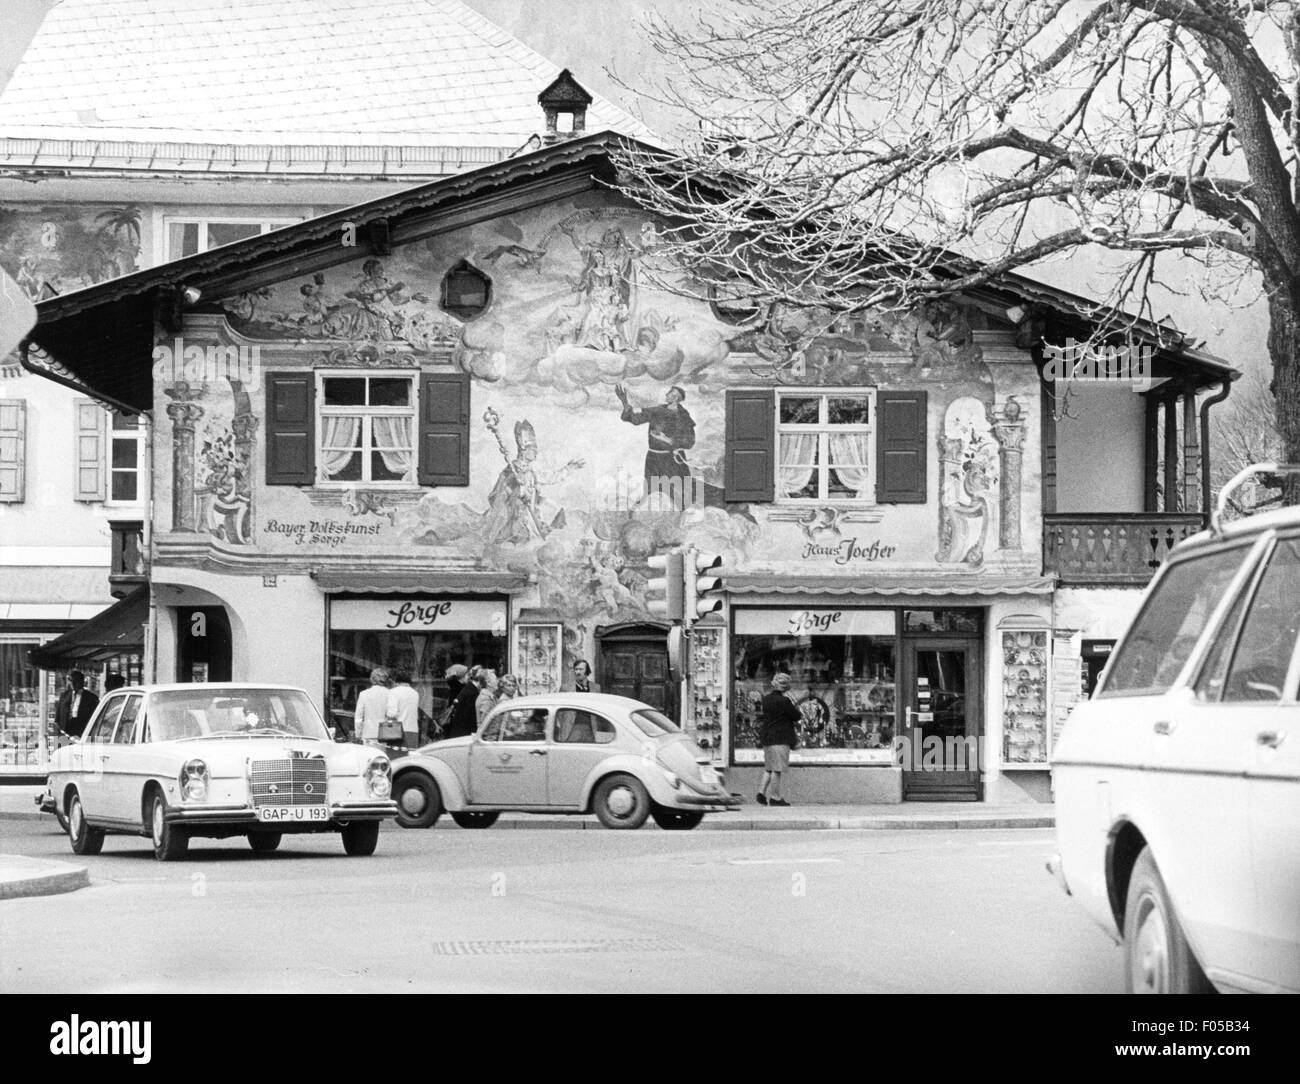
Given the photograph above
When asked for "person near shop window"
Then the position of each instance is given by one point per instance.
(404, 706)
(778, 735)
(75, 707)
(582, 682)
(372, 707)
(487, 697)
(507, 687)
(114, 681)
(464, 717)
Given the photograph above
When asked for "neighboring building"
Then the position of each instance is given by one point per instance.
(118, 155)
(432, 446)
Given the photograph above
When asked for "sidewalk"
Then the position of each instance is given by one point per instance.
(17, 803)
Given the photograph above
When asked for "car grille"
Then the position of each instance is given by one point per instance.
(296, 782)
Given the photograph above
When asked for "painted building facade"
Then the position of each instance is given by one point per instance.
(461, 439)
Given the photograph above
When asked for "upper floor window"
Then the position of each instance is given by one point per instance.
(466, 291)
(186, 236)
(367, 428)
(824, 446)
(126, 456)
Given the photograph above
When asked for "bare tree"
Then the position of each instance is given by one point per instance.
(879, 153)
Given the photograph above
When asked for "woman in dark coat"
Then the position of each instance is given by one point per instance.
(779, 735)
(464, 716)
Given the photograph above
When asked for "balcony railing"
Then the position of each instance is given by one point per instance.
(129, 566)
(1112, 548)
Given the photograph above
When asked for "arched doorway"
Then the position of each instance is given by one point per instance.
(632, 660)
(203, 644)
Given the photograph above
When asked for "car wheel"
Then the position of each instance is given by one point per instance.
(419, 803)
(1157, 958)
(620, 801)
(265, 842)
(85, 839)
(170, 841)
(475, 820)
(676, 820)
(360, 840)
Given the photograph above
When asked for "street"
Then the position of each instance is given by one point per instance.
(552, 910)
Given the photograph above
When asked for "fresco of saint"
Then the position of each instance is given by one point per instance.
(517, 513)
(672, 433)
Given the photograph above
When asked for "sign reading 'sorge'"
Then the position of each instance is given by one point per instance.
(419, 614)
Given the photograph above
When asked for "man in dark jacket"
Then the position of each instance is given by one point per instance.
(778, 735)
(464, 713)
(75, 706)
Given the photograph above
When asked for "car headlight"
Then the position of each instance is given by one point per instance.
(194, 781)
(379, 777)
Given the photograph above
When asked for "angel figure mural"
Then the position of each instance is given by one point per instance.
(606, 288)
(517, 512)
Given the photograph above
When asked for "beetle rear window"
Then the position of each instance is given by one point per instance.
(653, 722)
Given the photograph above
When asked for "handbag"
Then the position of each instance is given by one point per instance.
(390, 730)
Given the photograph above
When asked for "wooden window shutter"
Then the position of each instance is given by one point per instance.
(290, 429)
(901, 441)
(751, 446)
(13, 450)
(91, 452)
(444, 429)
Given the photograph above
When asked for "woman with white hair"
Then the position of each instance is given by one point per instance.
(486, 680)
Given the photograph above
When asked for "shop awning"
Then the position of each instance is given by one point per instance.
(118, 629)
(759, 583)
(420, 583)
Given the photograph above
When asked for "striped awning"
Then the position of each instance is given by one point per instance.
(420, 583)
(919, 584)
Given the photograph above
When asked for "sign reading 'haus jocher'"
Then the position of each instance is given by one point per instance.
(848, 551)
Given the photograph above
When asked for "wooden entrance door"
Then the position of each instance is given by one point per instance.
(943, 720)
(638, 667)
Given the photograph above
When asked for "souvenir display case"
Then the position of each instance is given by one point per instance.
(707, 689)
(1024, 698)
(537, 658)
(23, 744)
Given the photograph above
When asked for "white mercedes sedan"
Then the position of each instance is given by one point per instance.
(172, 762)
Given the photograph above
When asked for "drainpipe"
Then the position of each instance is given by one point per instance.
(1218, 397)
(151, 630)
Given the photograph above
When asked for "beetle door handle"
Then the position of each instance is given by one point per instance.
(1165, 726)
(537, 752)
(1271, 738)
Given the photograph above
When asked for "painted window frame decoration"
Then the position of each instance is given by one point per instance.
(1026, 655)
(536, 657)
(824, 430)
(367, 414)
(203, 223)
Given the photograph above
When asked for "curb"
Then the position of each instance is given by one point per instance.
(723, 823)
(44, 879)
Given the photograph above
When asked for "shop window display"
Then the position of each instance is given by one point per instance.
(843, 684)
(426, 655)
(21, 741)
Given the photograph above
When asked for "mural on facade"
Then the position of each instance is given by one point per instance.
(968, 476)
(598, 433)
(68, 247)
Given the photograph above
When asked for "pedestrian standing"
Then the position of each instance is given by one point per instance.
(464, 719)
(75, 706)
(404, 707)
(507, 687)
(372, 707)
(487, 697)
(582, 682)
(778, 735)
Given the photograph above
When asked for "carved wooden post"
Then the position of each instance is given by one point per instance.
(184, 413)
(1011, 437)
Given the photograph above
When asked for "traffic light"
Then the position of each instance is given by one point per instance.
(664, 593)
(699, 598)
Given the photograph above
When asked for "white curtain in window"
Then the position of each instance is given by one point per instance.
(339, 442)
(849, 460)
(799, 450)
(392, 437)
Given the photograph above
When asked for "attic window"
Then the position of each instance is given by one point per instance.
(466, 291)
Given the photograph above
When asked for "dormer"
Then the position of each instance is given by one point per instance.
(565, 104)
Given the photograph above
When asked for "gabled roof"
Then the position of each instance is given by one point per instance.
(101, 338)
(261, 76)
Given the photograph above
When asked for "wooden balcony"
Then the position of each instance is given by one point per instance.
(129, 568)
(1116, 549)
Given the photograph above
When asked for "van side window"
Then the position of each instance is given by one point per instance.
(1268, 635)
(1170, 623)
